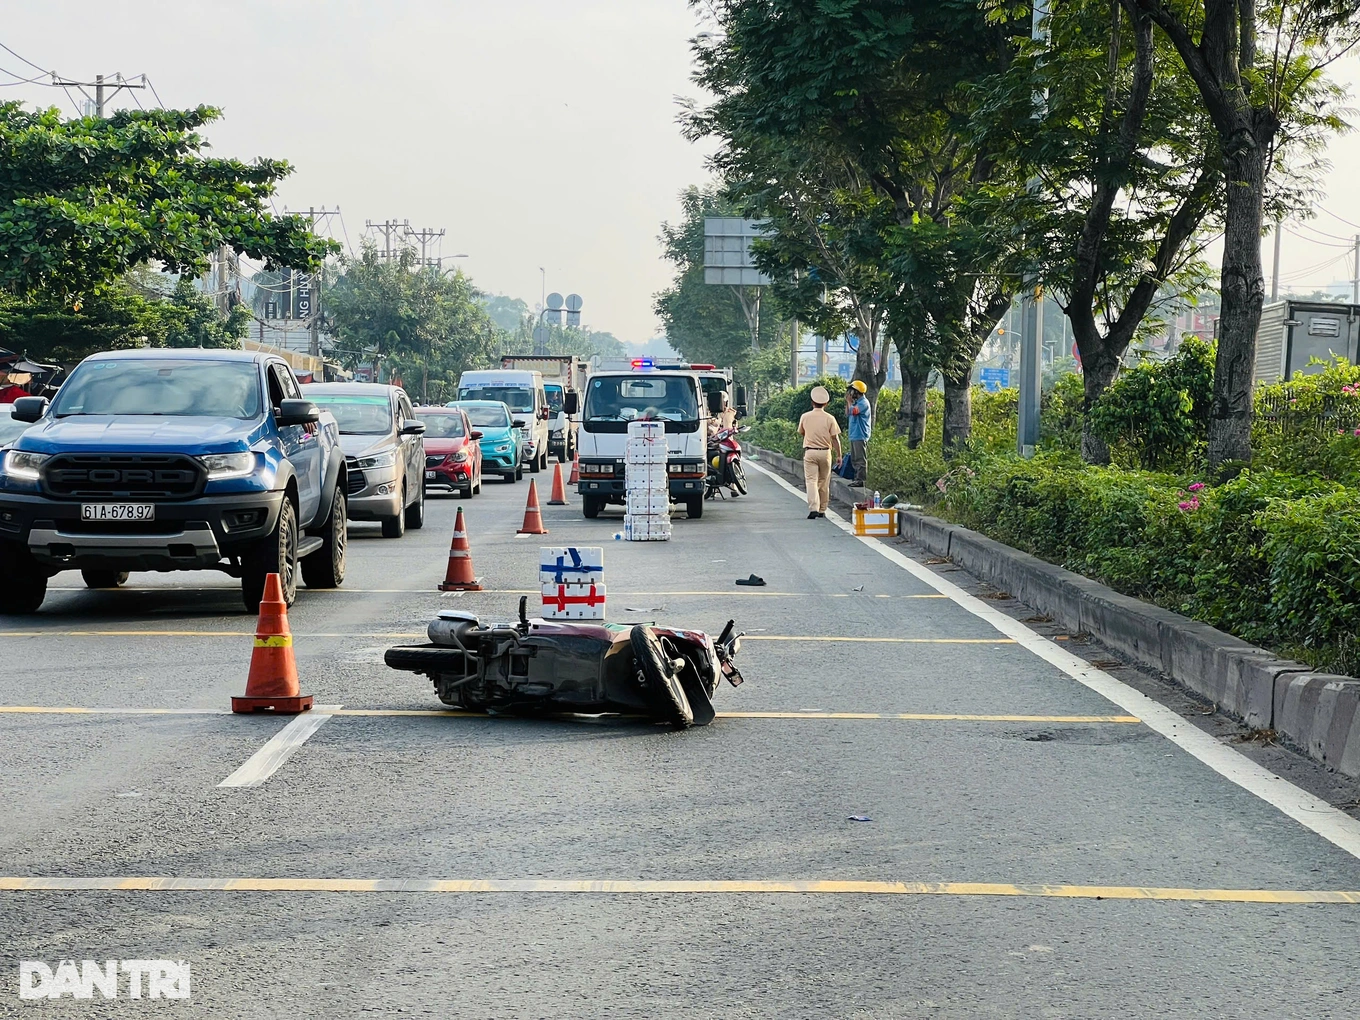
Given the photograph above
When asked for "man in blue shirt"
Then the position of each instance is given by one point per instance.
(857, 413)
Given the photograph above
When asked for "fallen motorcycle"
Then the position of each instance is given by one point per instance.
(538, 667)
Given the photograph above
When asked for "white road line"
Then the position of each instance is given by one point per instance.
(279, 748)
(1311, 812)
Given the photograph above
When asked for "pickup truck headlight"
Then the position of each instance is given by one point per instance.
(378, 460)
(22, 465)
(228, 465)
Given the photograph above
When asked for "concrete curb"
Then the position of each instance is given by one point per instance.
(1316, 712)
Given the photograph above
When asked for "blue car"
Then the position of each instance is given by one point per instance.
(502, 436)
(172, 460)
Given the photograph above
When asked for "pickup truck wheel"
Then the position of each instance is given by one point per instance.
(103, 578)
(325, 568)
(535, 464)
(694, 507)
(25, 584)
(519, 472)
(395, 527)
(591, 506)
(415, 513)
(274, 554)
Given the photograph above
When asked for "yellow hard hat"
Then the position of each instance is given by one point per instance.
(858, 384)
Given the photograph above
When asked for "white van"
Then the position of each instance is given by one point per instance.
(612, 400)
(523, 393)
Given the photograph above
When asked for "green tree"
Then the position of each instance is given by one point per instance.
(1109, 186)
(141, 309)
(884, 90)
(1259, 70)
(423, 325)
(83, 201)
(704, 323)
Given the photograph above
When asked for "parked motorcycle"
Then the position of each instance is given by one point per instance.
(724, 463)
(538, 667)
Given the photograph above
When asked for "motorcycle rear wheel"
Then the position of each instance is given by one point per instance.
(739, 477)
(658, 679)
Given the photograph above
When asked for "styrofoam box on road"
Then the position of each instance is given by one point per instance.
(570, 564)
(574, 601)
(646, 529)
(646, 478)
(648, 504)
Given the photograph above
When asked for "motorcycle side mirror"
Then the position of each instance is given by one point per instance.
(571, 403)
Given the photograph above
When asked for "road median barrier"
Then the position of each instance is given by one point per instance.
(1317, 713)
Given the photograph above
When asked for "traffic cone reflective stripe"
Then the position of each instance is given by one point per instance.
(559, 491)
(272, 685)
(533, 516)
(575, 469)
(458, 576)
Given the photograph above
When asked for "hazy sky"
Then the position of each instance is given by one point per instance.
(536, 132)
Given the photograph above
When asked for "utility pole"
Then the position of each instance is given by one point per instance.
(425, 236)
(1031, 372)
(104, 88)
(1355, 282)
(793, 351)
(387, 227)
(1275, 274)
(821, 356)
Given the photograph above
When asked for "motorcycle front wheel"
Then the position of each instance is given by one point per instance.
(659, 680)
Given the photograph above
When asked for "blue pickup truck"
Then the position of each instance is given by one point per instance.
(172, 460)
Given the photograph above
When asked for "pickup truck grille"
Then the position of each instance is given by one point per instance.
(123, 476)
(354, 478)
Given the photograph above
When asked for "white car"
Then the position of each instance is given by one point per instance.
(10, 429)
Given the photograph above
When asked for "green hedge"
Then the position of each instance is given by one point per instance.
(1270, 557)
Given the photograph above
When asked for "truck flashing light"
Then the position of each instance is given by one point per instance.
(642, 364)
(703, 368)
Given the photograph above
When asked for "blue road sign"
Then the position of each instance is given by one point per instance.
(995, 378)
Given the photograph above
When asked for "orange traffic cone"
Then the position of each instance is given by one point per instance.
(559, 491)
(272, 685)
(533, 517)
(575, 469)
(458, 576)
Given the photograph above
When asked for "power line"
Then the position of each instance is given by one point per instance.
(25, 60)
(1335, 237)
(1341, 218)
(22, 80)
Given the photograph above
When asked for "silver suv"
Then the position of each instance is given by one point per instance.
(384, 448)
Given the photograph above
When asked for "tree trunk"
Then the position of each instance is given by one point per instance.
(958, 411)
(1098, 371)
(1243, 291)
(911, 412)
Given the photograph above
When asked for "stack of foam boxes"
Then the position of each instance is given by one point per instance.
(573, 582)
(646, 483)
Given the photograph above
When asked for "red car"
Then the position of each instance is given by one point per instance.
(453, 455)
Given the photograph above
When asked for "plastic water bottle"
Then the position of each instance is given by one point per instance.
(877, 502)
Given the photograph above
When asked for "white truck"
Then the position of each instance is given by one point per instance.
(612, 400)
(562, 374)
(523, 393)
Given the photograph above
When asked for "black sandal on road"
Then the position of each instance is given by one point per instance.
(753, 581)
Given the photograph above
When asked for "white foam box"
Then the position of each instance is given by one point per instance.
(581, 564)
(574, 601)
(647, 430)
(648, 504)
(647, 529)
(640, 451)
(646, 477)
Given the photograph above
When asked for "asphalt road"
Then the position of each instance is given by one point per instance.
(1026, 857)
